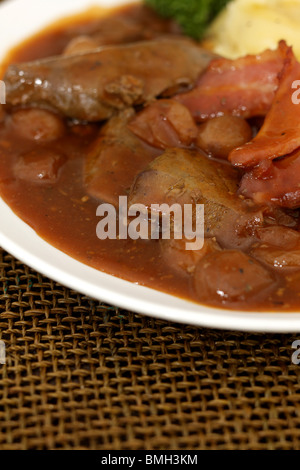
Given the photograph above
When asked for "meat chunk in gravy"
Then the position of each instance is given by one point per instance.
(184, 261)
(278, 247)
(40, 166)
(189, 177)
(94, 85)
(232, 276)
(38, 125)
(114, 160)
(137, 24)
(165, 123)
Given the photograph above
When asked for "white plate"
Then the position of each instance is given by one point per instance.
(21, 19)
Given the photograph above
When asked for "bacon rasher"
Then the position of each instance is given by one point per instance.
(274, 182)
(280, 133)
(243, 87)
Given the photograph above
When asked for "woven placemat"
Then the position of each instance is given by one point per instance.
(83, 375)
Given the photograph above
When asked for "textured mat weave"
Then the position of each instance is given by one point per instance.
(82, 375)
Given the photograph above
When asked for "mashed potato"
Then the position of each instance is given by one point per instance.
(251, 26)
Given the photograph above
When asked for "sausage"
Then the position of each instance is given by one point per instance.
(37, 124)
(220, 135)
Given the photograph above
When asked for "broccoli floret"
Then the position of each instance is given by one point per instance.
(193, 15)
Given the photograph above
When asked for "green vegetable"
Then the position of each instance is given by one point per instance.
(193, 15)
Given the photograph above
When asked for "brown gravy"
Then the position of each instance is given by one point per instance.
(65, 216)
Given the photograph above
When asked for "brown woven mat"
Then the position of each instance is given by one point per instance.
(83, 375)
